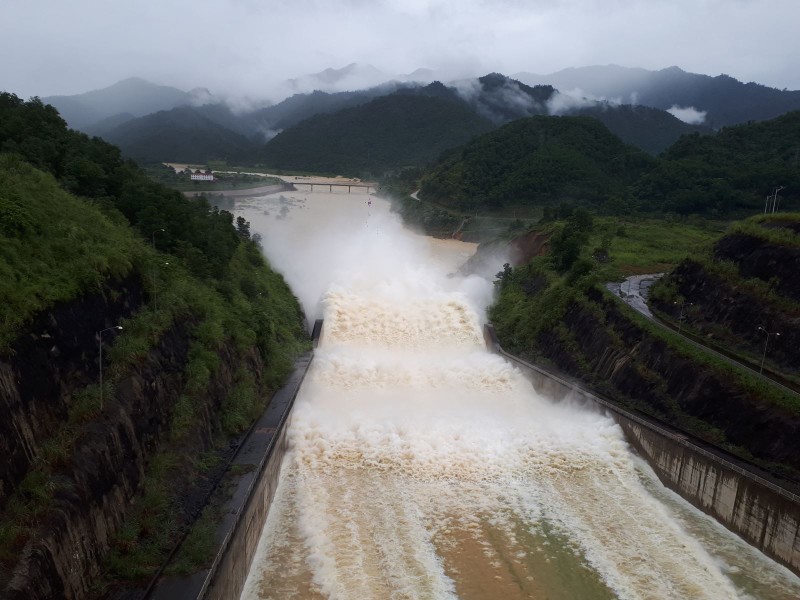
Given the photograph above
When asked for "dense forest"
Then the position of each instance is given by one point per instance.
(734, 169)
(544, 160)
(537, 160)
(386, 133)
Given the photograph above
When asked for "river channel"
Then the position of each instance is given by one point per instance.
(421, 466)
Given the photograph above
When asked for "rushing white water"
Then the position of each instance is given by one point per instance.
(421, 466)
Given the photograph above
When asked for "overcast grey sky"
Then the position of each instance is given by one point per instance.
(243, 47)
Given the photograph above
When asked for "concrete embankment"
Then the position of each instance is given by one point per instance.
(257, 466)
(263, 190)
(758, 510)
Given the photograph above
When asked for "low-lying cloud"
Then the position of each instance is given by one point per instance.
(688, 114)
(561, 103)
(500, 104)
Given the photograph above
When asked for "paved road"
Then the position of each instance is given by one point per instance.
(633, 291)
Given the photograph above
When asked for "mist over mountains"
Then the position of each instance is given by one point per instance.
(723, 99)
(648, 109)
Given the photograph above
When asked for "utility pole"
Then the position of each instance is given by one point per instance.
(775, 198)
(766, 343)
(155, 288)
(680, 318)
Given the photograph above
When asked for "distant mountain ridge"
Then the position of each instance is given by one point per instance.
(134, 95)
(621, 98)
(388, 132)
(726, 100)
(182, 134)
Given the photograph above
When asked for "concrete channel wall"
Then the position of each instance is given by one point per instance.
(257, 465)
(761, 512)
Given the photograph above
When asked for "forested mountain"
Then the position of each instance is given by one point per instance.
(649, 129)
(726, 100)
(386, 133)
(299, 107)
(134, 95)
(733, 169)
(536, 160)
(502, 99)
(545, 159)
(371, 138)
(182, 135)
(203, 132)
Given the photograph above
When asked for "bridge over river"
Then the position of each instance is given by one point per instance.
(321, 183)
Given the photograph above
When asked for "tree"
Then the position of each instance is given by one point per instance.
(243, 227)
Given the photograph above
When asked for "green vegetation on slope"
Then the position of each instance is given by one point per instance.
(179, 135)
(212, 284)
(746, 281)
(649, 129)
(547, 160)
(386, 133)
(52, 246)
(553, 310)
(538, 160)
(732, 170)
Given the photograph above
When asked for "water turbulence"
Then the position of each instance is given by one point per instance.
(421, 466)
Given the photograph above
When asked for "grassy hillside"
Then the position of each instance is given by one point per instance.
(386, 133)
(189, 271)
(555, 311)
(53, 246)
(747, 280)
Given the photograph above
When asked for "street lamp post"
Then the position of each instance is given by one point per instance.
(680, 318)
(766, 343)
(155, 288)
(100, 344)
(775, 198)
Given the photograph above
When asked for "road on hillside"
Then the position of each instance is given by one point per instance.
(633, 291)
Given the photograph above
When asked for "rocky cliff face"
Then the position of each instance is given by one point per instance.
(57, 355)
(767, 261)
(752, 283)
(730, 314)
(95, 486)
(623, 361)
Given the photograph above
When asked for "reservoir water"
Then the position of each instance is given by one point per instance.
(421, 466)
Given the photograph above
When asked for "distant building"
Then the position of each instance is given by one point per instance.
(200, 176)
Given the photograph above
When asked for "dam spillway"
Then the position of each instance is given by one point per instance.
(421, 466)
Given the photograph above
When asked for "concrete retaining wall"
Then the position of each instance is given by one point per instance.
(258, 467)
(253, 497)
(758, 510)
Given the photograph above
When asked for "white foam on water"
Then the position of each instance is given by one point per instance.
(407, 434)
